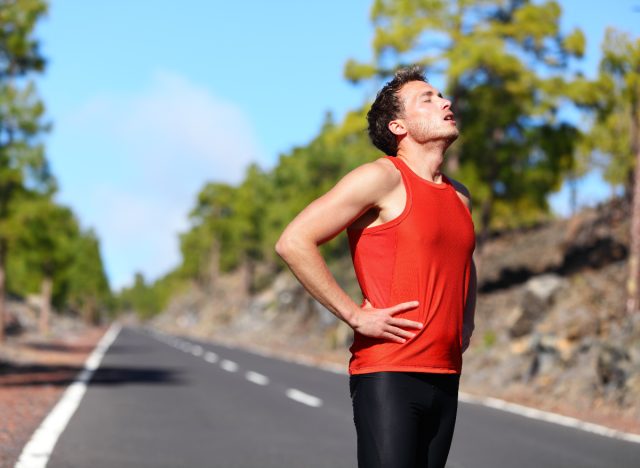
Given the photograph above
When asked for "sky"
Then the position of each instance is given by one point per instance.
(151, 99)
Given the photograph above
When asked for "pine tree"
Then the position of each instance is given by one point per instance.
(615, 135)
(23, 166)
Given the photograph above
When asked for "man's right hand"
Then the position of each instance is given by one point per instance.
(380, 323)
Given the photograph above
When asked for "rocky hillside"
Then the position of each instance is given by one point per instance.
(551, 328)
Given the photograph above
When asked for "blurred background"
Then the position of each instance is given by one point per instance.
(151, 153)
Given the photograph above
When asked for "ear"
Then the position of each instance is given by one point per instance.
(397, 127)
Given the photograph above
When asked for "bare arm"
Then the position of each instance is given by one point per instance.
(323, 219)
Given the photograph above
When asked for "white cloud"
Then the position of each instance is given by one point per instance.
(139, 159)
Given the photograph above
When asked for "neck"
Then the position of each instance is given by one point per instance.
(425, 159)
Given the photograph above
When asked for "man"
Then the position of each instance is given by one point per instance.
(412, 240)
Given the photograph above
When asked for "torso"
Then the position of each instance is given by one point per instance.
(418, 246)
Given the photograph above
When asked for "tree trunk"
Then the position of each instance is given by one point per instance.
(213, 272)
(573, 195)
(45, 305)
(2, 298)
(485, 221)
(633, 283)
(3, 278)
(89, 311)
(453, 154)
(85, 311)
(249, 270)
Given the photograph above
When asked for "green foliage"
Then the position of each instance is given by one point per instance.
(148, 299)
(19, 51)
(243, 223)
(489, 338)
(48, 243)
(614, 99)
(140, 297)
(38, 238)
(22, 163)
(86, 287)
(42, 241)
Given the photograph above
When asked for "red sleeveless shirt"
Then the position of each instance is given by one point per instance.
(425, 255)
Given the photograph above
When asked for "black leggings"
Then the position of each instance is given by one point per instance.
(404, 419)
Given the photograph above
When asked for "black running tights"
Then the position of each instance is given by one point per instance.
(404, 419)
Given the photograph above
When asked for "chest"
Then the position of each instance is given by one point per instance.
(438, 224)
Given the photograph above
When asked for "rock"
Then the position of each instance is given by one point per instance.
(559, 346)
(326, 318)
(543, 287)
(632, 387)
(340, 336)
(610, 363)
(536, 300)
(522, 345)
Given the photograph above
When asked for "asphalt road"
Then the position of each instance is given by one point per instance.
(159, 401)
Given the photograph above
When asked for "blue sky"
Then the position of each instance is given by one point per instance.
(151, 99)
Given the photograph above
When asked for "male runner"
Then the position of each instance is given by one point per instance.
(412, 240)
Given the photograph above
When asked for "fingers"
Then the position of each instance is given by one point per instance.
(398, 322)
(392, 337)
(402, 307)
(400, 332)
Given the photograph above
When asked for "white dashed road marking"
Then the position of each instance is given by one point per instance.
(210, 357)
(257, 378)
(196, 350)
(305, 398)
(311, 400)
(229, 365)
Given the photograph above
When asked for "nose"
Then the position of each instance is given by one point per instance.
(446, 103)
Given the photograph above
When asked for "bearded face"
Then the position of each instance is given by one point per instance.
(427, 114)
(430, 129)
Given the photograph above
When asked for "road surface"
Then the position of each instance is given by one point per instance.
(161, 401)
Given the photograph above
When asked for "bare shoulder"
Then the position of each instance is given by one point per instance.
(463, 192)
(380, 174)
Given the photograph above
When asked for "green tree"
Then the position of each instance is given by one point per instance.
(43, 241)
(216, 231)
(141, 297)
(87, 290)
(253, 199)
(504, 64)
(23, 167)
(614, 138)
(237, 227)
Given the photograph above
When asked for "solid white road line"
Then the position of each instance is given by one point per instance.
(548, 416)
(210, 357)
(305, 398)
(257, 378)
(229, 365)
(39, 448)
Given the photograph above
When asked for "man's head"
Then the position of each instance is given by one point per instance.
(408, 106)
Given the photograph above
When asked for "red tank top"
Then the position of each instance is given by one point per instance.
(425, 255)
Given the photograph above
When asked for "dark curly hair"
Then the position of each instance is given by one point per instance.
(388, 107)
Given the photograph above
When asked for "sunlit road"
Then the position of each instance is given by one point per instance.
(160, 401)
